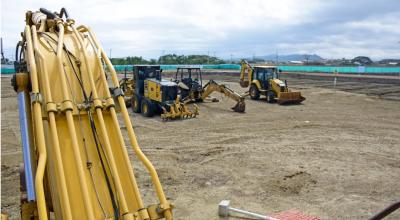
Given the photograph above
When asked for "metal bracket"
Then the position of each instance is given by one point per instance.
(117, 92)
(153, 212)
(36, 97)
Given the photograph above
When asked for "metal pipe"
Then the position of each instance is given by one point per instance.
(252, 214)
(128, 164)
(387, 211)
(71, 127)
(23, 123)
(66, 208)
(142, 157)
(38, 123)
(103, 129)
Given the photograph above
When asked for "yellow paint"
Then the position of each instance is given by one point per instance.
(152, 90)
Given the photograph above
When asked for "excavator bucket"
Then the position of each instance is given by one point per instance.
(244, 83)
(239, 107)
(179, 110)
(290, 98)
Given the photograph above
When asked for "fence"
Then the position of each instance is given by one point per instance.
(374, 70)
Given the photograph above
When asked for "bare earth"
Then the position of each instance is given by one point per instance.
(336, 156)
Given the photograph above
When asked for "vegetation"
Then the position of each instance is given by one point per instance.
(169, 59)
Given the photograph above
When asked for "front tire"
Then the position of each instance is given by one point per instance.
(254, 92)
(147, 108)
(271, 97)
(136, 102)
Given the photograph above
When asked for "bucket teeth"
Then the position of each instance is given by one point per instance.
(179, 110)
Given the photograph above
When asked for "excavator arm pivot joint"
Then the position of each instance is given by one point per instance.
(36, 97)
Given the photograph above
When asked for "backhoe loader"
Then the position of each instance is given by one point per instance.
(149, 94)
(264, 80)
(76, 164)
(190, 82)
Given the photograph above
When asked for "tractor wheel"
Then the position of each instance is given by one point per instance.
(136, 103)
(147, 108)
(271, 97)
(254, 92)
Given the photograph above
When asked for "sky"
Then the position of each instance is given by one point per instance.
(226, 28)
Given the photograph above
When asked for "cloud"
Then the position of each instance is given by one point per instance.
(333, 29)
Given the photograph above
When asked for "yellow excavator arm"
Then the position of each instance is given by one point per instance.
(213, 86)
(76, 162)
(246, 69)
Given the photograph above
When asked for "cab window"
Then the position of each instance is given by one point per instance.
(260, 75)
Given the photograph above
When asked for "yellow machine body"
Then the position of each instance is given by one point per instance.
(152, 90)
(80, 162)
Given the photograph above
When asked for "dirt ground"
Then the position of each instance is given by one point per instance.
(336, 156)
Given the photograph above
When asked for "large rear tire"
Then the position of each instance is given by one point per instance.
(254, 92)
(147, 108)
(136, 102)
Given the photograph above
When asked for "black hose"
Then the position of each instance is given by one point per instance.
(110, 191)
(387, 211)
(49, 14)
(16, 50)
(64, 12)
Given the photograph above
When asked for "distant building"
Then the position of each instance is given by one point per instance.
(296, 62)
(391, 62)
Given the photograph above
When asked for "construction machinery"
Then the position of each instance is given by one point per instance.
(264, 80)
(76, 164)
(150, 94)
(190, 81)
(191, 86)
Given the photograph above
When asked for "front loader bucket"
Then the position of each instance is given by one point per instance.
(239, 107)
(290, 98)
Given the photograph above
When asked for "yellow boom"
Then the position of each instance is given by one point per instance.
(76, 160)
(213, 86)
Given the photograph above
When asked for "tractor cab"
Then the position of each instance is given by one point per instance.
(189, 80)
(264, 74)
(143, 72)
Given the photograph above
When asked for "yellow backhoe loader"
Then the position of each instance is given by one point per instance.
(76, 164)
(191, 86)
(149, 94)
(264, 80)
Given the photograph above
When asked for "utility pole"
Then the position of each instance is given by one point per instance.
(276, 57)
(110, 53)
(231, 58)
